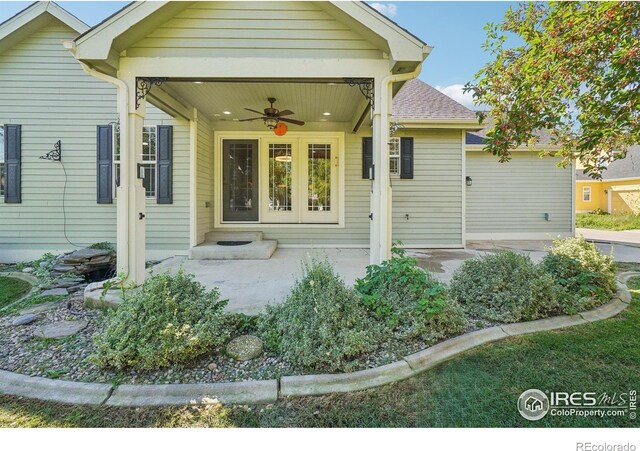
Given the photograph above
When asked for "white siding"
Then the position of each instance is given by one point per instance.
(509, 200)
(43, 88)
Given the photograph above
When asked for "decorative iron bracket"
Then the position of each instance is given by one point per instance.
(55, 154)
(143, 86)
(365, 85)
(394, 127)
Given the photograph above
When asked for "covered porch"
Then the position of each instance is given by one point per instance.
(333, 67)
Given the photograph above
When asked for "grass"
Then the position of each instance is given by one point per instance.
(477, 389)
(12, 289)
(608, 222)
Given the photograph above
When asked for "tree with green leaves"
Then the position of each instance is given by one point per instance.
(572, 68)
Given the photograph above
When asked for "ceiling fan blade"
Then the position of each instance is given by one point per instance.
(250, 119)
(285, 113)
(254, 111)
(292, 121)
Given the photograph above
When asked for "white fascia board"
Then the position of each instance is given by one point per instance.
(403, 45)
(96, 43)
(36, 10)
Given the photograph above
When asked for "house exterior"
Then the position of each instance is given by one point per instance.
(149, 110)
(618, 192)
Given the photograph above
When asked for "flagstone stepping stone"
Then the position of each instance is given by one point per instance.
(60, 329)
(244, 347)
(24, 319)
(40, 307)
(54, 292)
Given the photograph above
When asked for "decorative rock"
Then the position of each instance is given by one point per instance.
(60, 329)
(28, 269)
(66, 283)
(244, 347)
(55, 292)
(212, 366)
(24, 319)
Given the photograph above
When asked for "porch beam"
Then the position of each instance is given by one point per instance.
(168, 102)
(181, 67)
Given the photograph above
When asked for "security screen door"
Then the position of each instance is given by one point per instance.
(240, 180)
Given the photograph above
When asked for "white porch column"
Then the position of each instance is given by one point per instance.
(380, 232)
(131, 209)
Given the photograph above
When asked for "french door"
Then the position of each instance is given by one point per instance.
(299, 181)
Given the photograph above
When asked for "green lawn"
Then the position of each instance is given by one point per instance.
(608, 222)
(12, 289)
(478, 389)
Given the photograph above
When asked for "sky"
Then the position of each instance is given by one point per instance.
(455, 29)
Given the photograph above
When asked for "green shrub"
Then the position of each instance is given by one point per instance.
(322, 325)
(504, 287)
(168, 320)
(585, 278)
(411, 302)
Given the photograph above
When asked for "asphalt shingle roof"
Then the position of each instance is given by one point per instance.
(477, 137)
(418, 100)
(626, 168)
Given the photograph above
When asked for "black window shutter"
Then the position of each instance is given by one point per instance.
(12, 164)
(406, 158)
(367, 156)
(105, 164)
(164, 163)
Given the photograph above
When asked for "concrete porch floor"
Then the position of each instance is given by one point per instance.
(252, 284)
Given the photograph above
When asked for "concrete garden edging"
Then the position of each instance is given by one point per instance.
(269, 391)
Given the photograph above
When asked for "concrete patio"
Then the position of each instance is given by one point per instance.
(252, 284)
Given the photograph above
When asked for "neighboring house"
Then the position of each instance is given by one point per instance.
(150, 116)
(619, 190)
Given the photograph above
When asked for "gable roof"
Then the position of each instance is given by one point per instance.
(418, 100)
(123, 26)
(626, 168)
(32, 18)
(478, 137)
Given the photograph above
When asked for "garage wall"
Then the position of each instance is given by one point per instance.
(509, 200)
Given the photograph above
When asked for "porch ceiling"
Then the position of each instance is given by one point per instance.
(308, 100)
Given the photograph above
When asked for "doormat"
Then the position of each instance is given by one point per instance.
(232, 243)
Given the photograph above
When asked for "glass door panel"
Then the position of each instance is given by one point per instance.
(240, 180)
(280, 189)
(320, 168)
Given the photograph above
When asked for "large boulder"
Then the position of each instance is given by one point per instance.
(84, 261)
(245, 347)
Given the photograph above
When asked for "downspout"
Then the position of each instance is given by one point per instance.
(386, 192)
(123, 213)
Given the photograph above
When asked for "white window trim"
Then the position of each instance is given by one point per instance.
(220, 136)
(116, 163)
(585, 190)
(396, 141)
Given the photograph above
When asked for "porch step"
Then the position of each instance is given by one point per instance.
(256, 250)
(223, 235)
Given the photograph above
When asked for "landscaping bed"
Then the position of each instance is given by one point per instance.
(172, 330)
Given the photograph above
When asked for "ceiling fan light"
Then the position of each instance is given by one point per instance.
(271, 122)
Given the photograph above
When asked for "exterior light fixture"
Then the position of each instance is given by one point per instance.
(326, 113)
(271, 122)
(226, 112)
(469, 181)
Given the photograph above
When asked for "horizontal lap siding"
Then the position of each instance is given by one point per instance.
(433, 198)
(513, 197)
(44, 88)
(254, 29)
